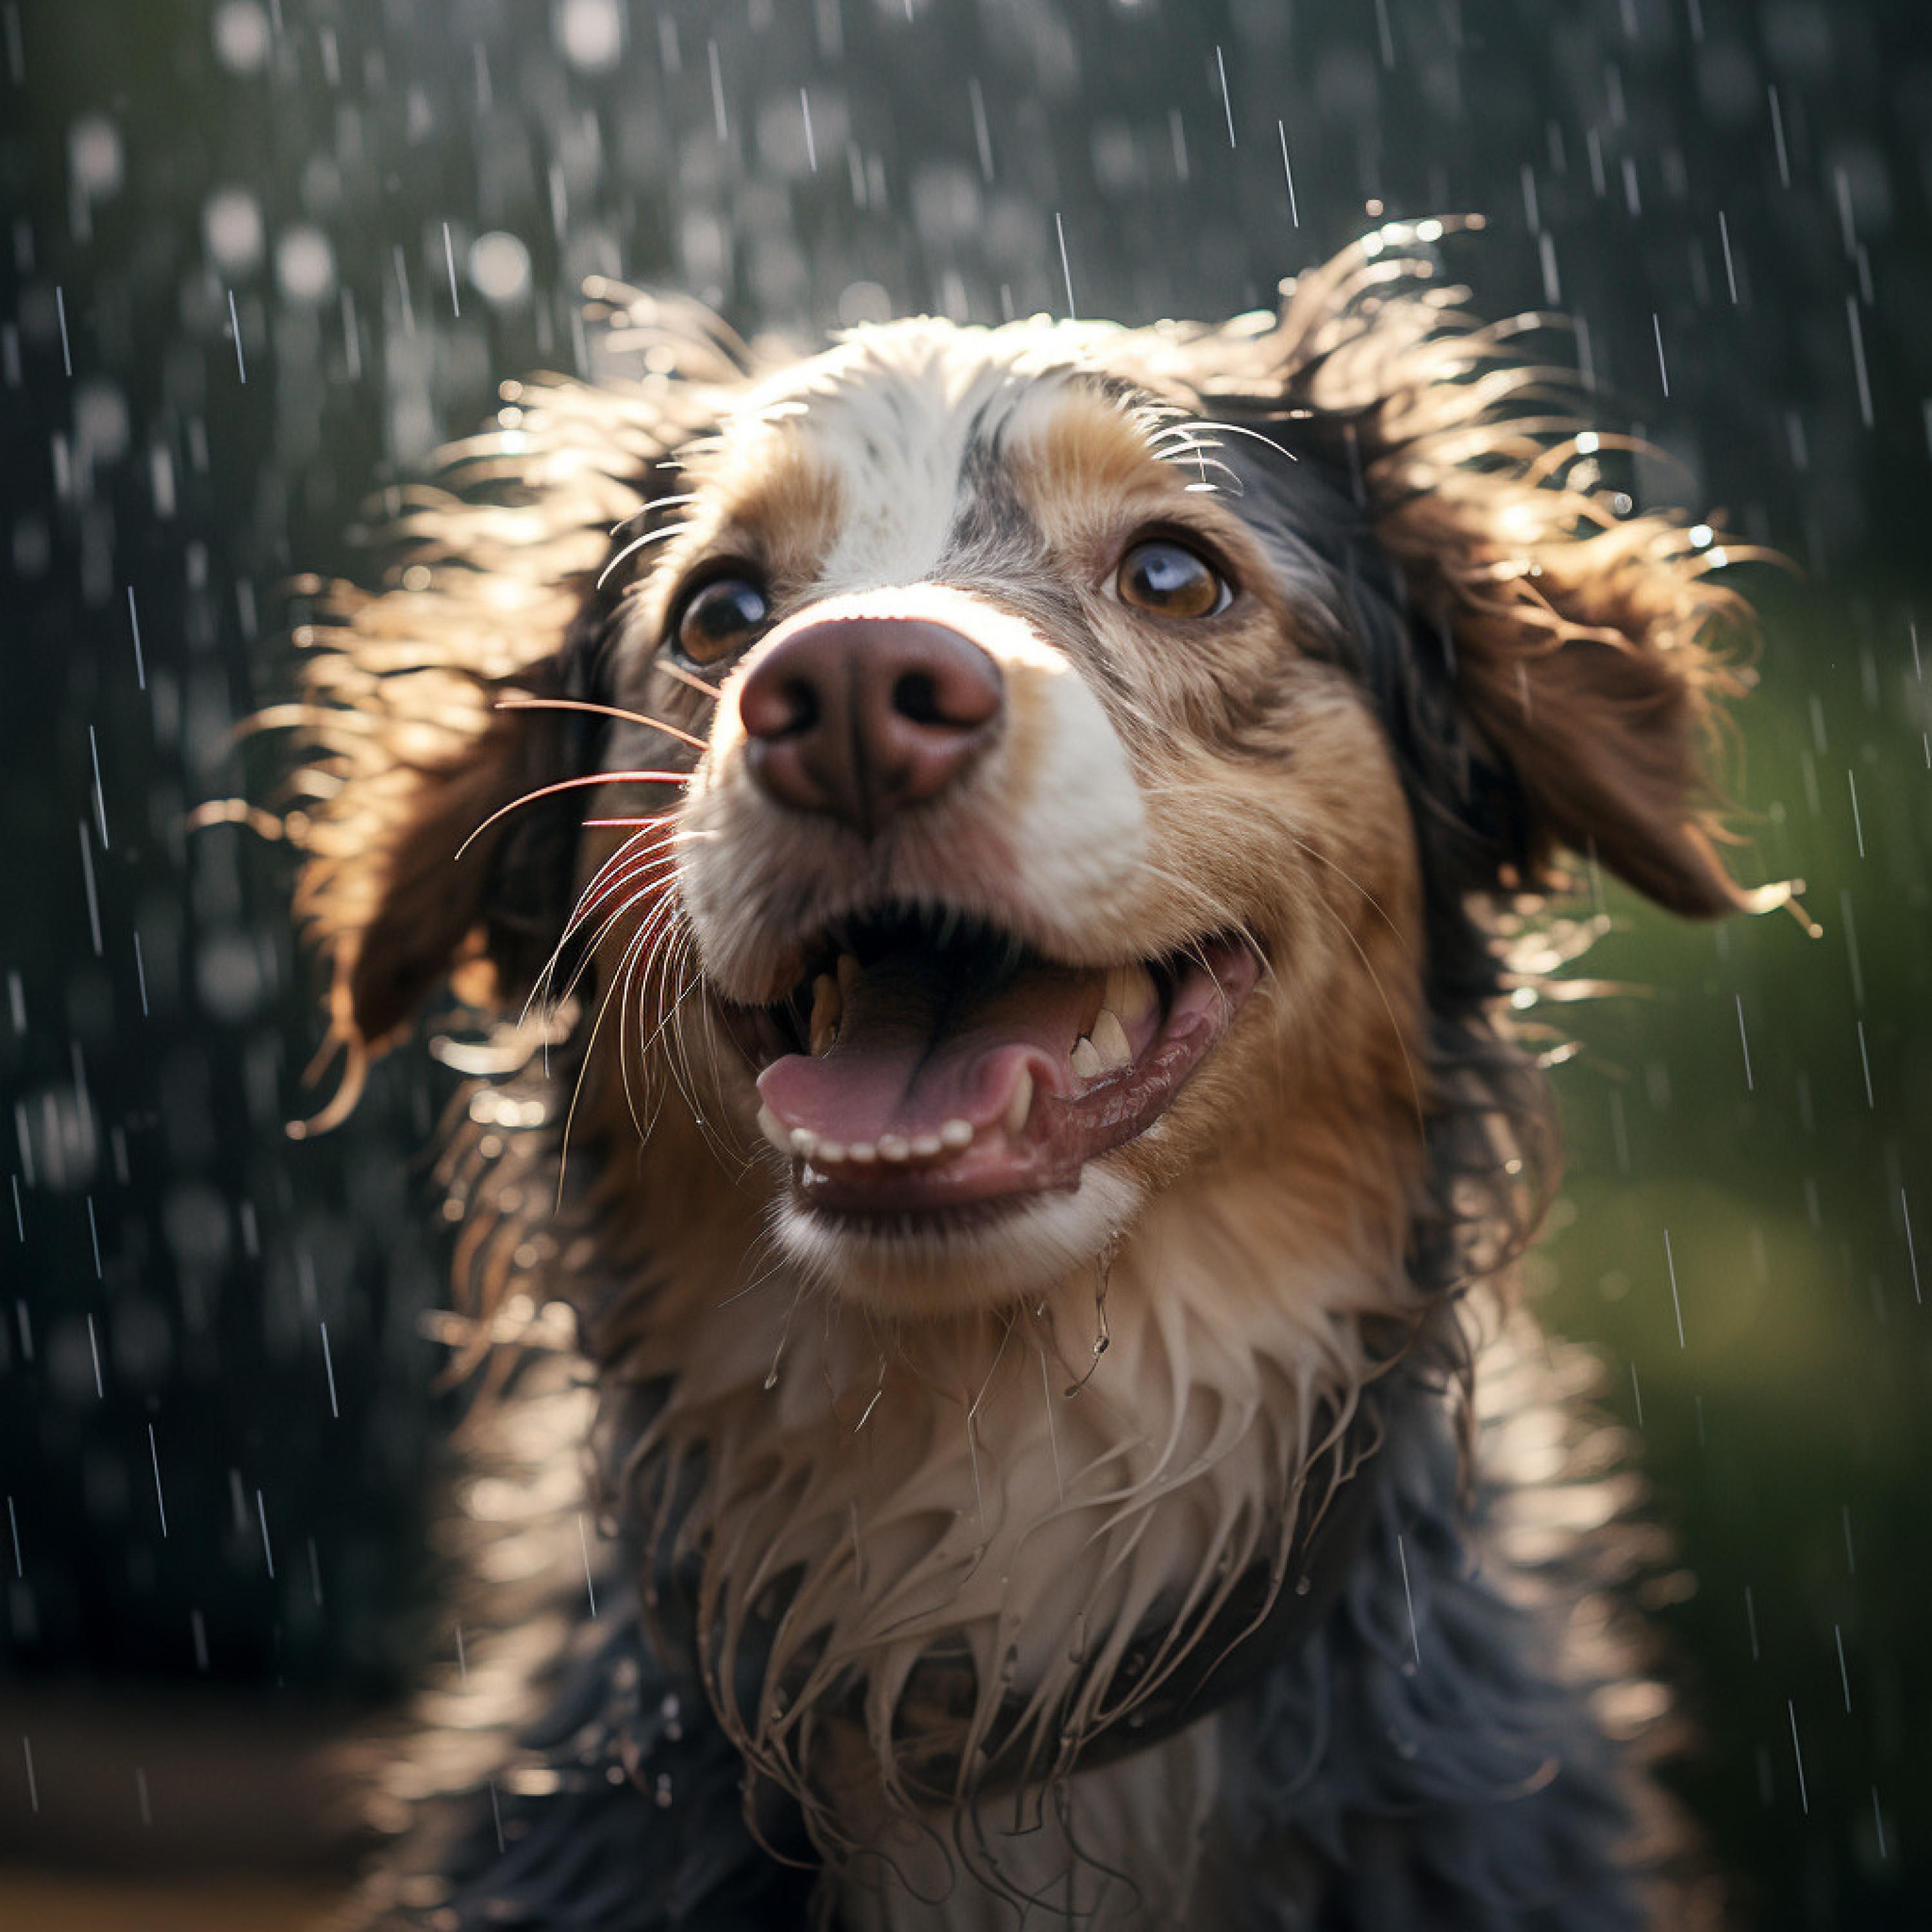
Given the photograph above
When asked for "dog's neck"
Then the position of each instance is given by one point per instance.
(996, 1489)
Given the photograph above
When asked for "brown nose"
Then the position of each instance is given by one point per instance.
(860, 717)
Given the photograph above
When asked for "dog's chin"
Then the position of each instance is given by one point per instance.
(930, 1263)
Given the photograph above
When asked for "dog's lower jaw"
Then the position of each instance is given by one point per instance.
(1008, 1861)
(969, 1260)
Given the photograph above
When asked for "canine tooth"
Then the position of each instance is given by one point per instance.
(862, 1153)
(1086, 1059)
(1110, 1040)
(803, 1140)
(774, 1130)
(829, 1153)
(828, 1009)
(956, 1134)
(1130, 992)
(1021, 1105)
(925, 1146)
(848, 970)
(893, 1148)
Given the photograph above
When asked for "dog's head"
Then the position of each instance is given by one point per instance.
(991, 777)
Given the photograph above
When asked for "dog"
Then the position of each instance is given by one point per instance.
(989, 869)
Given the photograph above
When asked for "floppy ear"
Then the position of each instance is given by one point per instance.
(409, 875)
(1588, 644)
(1587, 663)
(444, 880)
(419, 863)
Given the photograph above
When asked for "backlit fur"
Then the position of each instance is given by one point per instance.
(915, 1526)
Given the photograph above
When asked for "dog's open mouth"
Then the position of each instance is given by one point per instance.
(927, 1062)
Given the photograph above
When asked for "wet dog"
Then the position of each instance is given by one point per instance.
(998, 860)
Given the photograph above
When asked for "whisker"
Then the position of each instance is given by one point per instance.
(1197, 451)
(612, 876)
(730, 1151)
(577, 1087)
(643, 510)
(649, 995)
(639, 977)
(622, 1057)
(609, 926)
(1324, 859)
(554, 996)
(629, 863)
(1206, 913)
(1190, 425)
(757, 1281)
(518, 703)
(685, 677)
(637, 544)
(679, 1062)
(660, 965)
(572, 784)
(604, 880)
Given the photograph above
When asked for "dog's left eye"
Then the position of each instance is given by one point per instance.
(1171, 580)
(719, 617)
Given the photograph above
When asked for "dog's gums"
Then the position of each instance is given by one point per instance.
(928, 1064)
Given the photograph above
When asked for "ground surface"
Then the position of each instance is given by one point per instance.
(48, 1902)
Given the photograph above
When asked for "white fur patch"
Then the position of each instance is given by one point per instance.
(893, 413)
(947, 1271)
(1080, 830)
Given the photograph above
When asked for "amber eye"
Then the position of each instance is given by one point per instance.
(1171, 580)
(720, 617)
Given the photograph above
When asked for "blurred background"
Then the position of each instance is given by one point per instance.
(262, 256)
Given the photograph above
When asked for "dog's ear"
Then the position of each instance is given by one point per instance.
(1588, 662)
(436, 867)
(421, 862)
(1589, 647)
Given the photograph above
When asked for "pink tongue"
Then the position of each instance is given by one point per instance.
(921, 1042)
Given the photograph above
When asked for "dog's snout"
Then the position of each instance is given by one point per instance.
(859, 717)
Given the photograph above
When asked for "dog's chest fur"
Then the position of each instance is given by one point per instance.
(1012, 1491)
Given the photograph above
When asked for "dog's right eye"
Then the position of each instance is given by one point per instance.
(1171, 580)
(720, 617)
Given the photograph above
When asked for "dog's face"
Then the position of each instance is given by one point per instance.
(1039, 847)
(1076, 751)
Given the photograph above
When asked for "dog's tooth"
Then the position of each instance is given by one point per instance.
(926, 1147)
(1110, 1040)
(862, 1153)
(774, 1130)
(956, 1134)
(1086, 1059)
(829, 1153)
(828, 1009)
(893, 1147)
(1131, 993)
(848, 970)
(1021, 1105)
(803, 1140)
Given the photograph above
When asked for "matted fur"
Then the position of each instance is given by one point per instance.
(817, 1553)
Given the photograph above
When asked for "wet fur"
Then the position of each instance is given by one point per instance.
(1488, 666)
